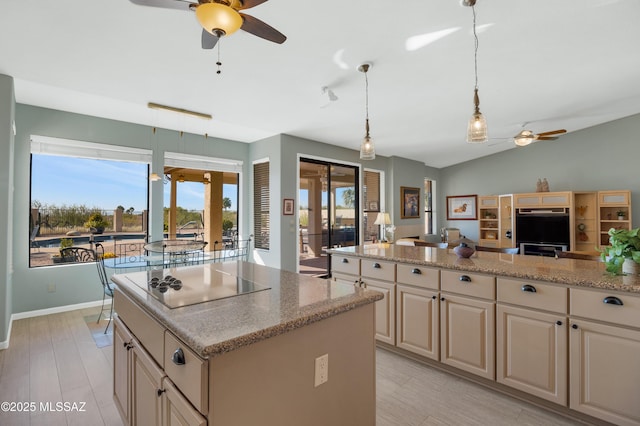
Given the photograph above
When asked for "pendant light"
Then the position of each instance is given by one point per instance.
(477, 128)
(367, 150)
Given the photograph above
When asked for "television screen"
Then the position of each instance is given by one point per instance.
(546, 229)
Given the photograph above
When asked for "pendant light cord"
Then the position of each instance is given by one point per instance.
(366, 97)
(475, 37)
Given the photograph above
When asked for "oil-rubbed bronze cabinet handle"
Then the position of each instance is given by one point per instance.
(376, 265)
(345, 260)
(416, 271)
(465, 278)
(529, 288)
(612, 300)
(178, 357)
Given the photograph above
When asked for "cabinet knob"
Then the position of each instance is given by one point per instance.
(128, 345)
(574, 326)
(416, 271)
(345, 260)
(529, 288)
(442, 299)
(161, 391)
(612, 300)
(178, 357)
(376, 265)
(465, 278)
(558, 322)
(434, 297)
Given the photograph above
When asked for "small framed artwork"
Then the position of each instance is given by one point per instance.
(287, 207)
(462, 207)
(410, 198)
(373, 206)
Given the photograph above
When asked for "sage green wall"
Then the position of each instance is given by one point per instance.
(77, 283)
(602, 157)
(7, 114)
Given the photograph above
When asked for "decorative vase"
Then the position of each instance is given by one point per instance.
(463, 250)
(630, 267)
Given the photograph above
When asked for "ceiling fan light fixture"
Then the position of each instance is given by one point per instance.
(524, 138)
(218, 19)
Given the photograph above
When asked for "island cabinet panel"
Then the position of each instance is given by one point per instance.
(467, 334)
(418, 276)
(418, 320)
(146, 388)
(345, 278)
(531, 352)
(605, 371)
(616, 308)
(469, 284)
(345, 264)
(122, 340)
(378, 270)
(533, 294)
(176, 411)
(385, 310)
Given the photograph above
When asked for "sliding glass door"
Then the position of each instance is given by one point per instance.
(329, 209)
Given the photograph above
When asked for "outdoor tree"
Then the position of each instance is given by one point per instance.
(349, 197)
(130, 210)
(226, 203)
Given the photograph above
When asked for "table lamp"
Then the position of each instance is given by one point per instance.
(383, 219)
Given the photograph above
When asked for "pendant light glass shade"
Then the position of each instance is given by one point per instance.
(216, 18)
(367, 150)
(477, 128)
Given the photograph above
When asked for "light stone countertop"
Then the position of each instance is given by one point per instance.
(582, 273)
(219, 326)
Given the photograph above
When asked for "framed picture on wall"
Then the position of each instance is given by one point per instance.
(462, 207)
(410, 198)
(287, 207)
(373, 206)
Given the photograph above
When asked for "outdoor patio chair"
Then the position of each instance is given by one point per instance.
(32, 238)
(78, 254)
(107, 286)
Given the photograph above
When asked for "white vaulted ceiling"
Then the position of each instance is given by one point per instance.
(552, 64)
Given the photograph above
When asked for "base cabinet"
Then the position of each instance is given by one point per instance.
(417, 327)
(605, 371)
(531, 352)
(385, 310)
(143, 393)
(467, 334)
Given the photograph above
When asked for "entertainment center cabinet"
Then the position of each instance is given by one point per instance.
(588, 215)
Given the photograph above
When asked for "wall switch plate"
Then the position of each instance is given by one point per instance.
(322, 370)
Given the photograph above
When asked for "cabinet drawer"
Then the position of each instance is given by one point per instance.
(345, 278)
(419, 276)
(593, 304)
(192, 377)
(147, 330)
(344, 264)
(377, 269)
(476, 285)
(533, 295)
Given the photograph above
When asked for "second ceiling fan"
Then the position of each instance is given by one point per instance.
(525, 137)
(221, 17)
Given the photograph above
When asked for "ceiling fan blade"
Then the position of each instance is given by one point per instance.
(546, 138)
(208, 40)
(553, 132)
(258, 28)
(248, 4)
(165, 4)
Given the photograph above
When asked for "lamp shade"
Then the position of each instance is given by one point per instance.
(216, 17)
(383, 219)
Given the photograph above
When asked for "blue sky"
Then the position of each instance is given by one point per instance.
(105, 184)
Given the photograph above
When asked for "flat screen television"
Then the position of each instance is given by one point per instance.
(542, 228)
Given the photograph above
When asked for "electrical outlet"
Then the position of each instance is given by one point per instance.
(322, 370)
(51, 288)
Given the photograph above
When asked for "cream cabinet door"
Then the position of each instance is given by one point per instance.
(146, 388)
(605, 372)
(176, 411)
(345, 278)
(385, 310)
(531, 352)
(122, 344)
(467, 334)
(418, 320)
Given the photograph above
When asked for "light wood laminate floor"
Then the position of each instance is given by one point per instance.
(53, 359)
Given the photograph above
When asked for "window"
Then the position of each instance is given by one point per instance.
(261, 204)
(82, 193)
(429, 189)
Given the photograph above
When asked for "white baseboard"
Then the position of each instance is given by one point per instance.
(49, 311)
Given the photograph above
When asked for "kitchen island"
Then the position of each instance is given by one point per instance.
(561, 333)
(239, 343)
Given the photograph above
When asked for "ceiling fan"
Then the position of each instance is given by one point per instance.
(525, 137)
(221, 17)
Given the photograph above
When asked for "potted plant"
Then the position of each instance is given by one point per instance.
(621, 214)
(58, 258)
(623, 255)
(96, 223)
